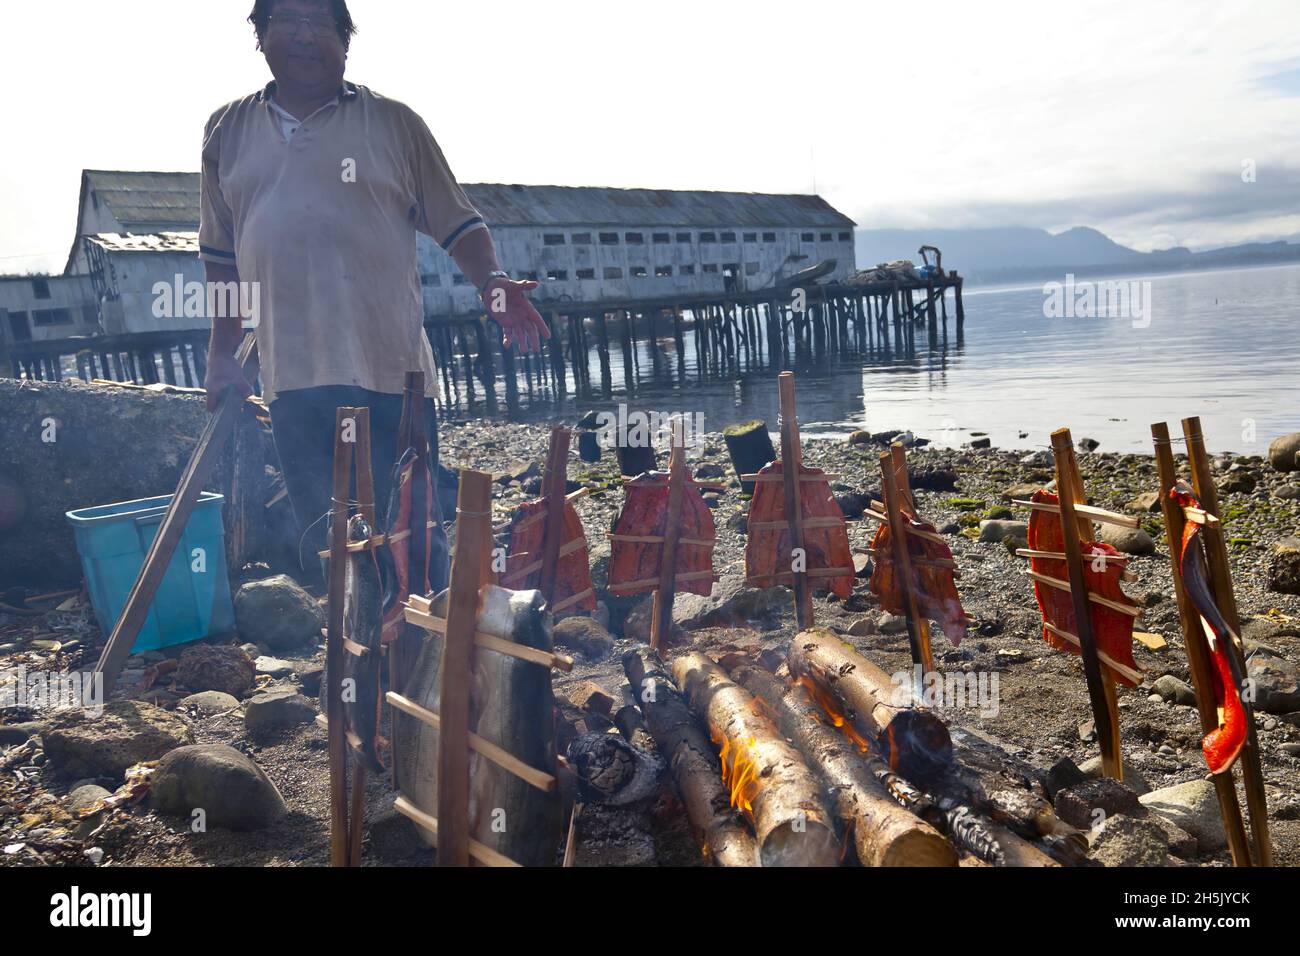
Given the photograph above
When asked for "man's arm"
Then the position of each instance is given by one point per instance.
(506, 299)
(227, 332)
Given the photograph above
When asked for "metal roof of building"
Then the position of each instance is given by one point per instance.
(146, 201)
(157, 202)
(149, 242)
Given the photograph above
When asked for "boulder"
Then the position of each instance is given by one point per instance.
(208, 702)
(278, 614)
(1276, 681)
(277, 710)
(1175, 691)
(1123, 841)
(1133, 778)
(227, 786)
(585, 636)
(1284, 452)
(223, 668)
(128, 732)
(1191, 806)
(1128, 540)
(1284, 567)
(994, 531)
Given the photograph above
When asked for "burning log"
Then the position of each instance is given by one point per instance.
(767, 777)
(695, 769)
(884, 834)
(915, 741)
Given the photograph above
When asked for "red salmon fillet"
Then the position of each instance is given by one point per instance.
(935, 588)
(645, 514)
(572, 574)
(768, 552)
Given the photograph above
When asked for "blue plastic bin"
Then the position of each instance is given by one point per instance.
(113, 541)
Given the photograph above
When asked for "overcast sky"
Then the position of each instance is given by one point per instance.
(1134, 117)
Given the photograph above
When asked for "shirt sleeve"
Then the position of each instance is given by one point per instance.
(443, 211)
(216, 223)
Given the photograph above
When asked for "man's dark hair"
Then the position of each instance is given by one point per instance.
(338, 8)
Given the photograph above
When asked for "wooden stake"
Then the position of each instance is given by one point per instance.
(1198, 655)
(1101, 692)
(215, 432)
(1216, 553)
(791, 466)
(918, 633)
(343, 454)
(473, 549)
(553, 485)
(661, 620)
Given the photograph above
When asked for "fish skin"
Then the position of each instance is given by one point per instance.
(363, 610)
(767, 552)
(525, 728)
(645, 512)
(935, 588)
(573, 573)
(1223, 744)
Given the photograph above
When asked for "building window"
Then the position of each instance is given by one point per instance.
(751, 237)
(586, 273)
(660, 238)
(430, 278)
(708, 237)
(686, 270)
(581, 238)
(769, 237)
(710, 268)
(728, 237)
(459, 279)
(684, 237)
(663, 271)
(637, 272)
(609, 238)
(47, 317)
(634, 239)
(553, 238)
(529, 276)
(41, 287)
(826, 237)
(751, 268)
(613, 272)
(807, 237)
(846, 236)
(557, 275)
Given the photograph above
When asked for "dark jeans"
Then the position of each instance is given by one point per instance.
(303, 422)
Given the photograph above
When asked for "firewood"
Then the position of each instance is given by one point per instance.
(917, 742)
(696, 770)
(767, 776)
(884, 834)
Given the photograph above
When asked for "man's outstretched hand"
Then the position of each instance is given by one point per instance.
(507, 302)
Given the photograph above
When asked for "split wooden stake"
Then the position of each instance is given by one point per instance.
(898, 495)
(553, 484)
(338, 528)
(661, 619)
(1198, 655)
(1101, 690)
(1216, 553)
(791, 468)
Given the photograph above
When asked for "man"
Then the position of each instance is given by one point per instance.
(312, 191)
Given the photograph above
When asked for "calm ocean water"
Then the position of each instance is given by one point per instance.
(1224, 345)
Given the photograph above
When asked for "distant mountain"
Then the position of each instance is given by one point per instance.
(999, 254)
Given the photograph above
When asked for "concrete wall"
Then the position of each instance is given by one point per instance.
(70, 298)
(760, 255)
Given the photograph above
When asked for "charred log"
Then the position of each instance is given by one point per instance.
(766, 775)
(750, 448)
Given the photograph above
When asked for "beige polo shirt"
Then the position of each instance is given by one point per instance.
(324, 222)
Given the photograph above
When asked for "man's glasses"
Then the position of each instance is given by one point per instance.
(320, 26)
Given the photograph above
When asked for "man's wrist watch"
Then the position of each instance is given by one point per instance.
(492, 276)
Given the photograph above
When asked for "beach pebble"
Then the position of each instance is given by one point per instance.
(1284, 567)
(1175, 691)
(994, 531)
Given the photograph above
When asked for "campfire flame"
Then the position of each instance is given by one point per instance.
(833, 715)
(740, 773)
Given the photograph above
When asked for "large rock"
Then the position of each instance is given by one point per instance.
(1194, 807)
(1146, 503)
(1284, 567)
(1133, 778)
(277, 710)
(208, 702)
(1276, 682)
(1127, 540)
(223, 668)
(1123, 840)
(585, 636)
(1284, 452)
(994, 531)
(277, 613)
(1175, 691)
(1087, 804)
(227, 786)
(128, 732)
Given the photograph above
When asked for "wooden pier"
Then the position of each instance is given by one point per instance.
(770, 328)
